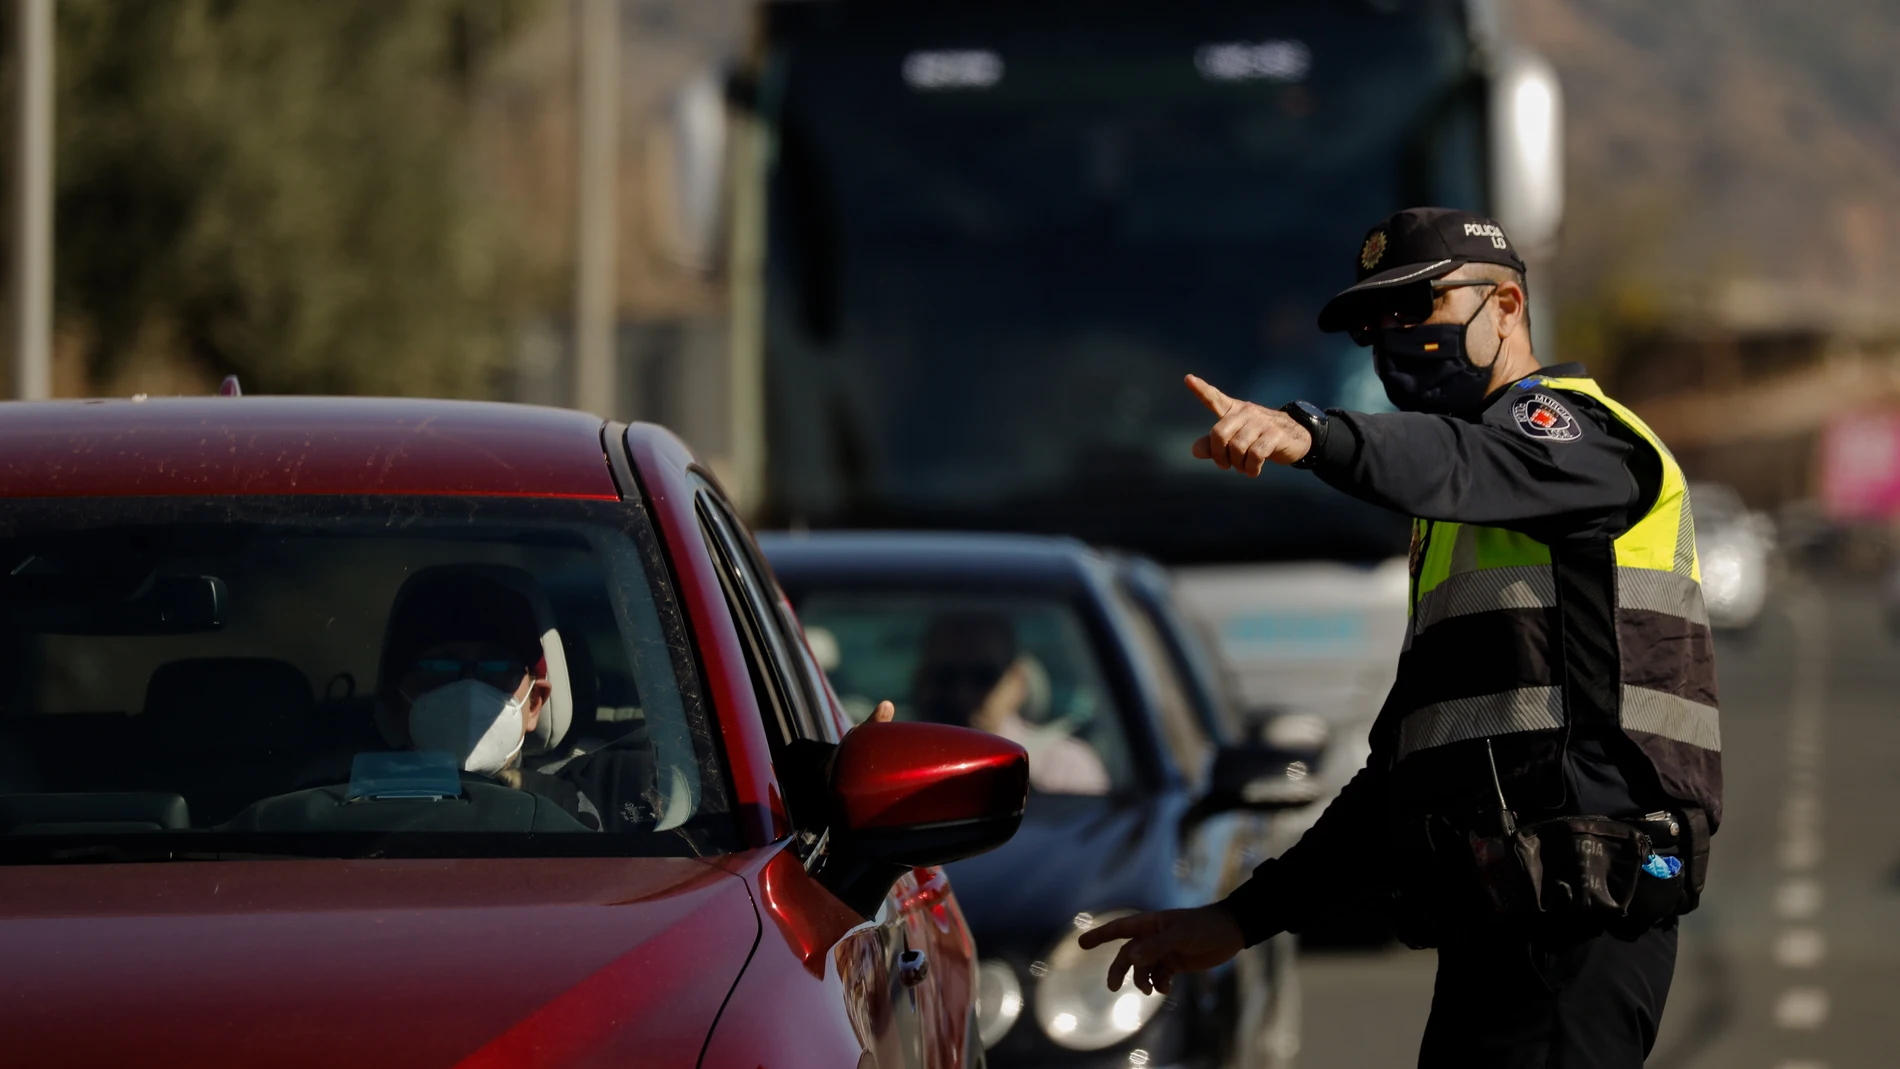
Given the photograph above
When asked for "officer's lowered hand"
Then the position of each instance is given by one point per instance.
(1167, 942)
(1246, 436)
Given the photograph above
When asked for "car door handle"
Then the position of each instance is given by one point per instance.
(912, 967)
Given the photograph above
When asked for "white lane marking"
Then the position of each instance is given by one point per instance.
(1802, 1008)
(1798, 899)
(1801, 803)
(1801, 853)
(1800, 948)
(1800, 823)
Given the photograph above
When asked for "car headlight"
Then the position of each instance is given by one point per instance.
(1722, 570)
(999, 1000)
(1073, 1003)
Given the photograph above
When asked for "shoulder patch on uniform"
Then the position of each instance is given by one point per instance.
(1543, 417)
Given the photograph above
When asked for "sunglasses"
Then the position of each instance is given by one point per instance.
(1403, 307)
(432, 673)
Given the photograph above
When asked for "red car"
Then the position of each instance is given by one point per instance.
(400, 733)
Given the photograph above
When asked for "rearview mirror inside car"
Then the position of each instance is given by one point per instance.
(909, 795)
(79, 604)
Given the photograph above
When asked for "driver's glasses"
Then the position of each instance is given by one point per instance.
(1403, 307)
(431, 673)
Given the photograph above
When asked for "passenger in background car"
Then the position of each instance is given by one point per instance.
(970, 672)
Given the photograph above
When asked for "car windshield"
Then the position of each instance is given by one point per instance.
(1011, 241)
(321, 676)
(1023, 668)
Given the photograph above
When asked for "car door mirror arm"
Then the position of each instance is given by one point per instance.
(804, 776)
(1257, 778)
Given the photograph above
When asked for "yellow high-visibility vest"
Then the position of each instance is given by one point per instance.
(1494, 595)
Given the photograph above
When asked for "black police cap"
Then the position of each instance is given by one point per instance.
(1418, 245)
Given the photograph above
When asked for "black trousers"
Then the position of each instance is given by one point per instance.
(1577, 998)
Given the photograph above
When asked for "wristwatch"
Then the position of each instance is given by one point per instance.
(1316, 422)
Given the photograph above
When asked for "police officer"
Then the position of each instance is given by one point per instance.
(1546, 770)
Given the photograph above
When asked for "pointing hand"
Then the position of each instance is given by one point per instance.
(1246, 436)
(1167, 942)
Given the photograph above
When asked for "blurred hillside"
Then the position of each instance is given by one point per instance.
(1731, 260)
(1732, 167)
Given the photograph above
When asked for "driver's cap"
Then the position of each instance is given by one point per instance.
(1418, 245)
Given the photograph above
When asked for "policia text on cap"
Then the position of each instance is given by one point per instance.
(1546, 770)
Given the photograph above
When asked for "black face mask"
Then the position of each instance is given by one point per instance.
(1425, 368)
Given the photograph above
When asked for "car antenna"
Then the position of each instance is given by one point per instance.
(230, 388)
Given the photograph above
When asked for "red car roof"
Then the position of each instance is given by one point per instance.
(299, 445)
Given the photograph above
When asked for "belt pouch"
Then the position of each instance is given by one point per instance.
(1659, 898)
(1583, 865)
(1693, 848)
(1508, 869)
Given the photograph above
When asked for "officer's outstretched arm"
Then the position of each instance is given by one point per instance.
(1282, 894)
(1336, 862)
(1496, 472)
(1328, 863)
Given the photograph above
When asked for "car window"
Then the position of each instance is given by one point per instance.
(339, 675)
(788, 691)
(801, 669)
(1021, 667)
(1191, 648)
(1182, 729)
(812, 676)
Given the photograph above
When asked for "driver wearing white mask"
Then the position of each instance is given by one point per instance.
(468, 678)
(475, 701)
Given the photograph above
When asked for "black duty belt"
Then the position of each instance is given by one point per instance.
(1608, 870)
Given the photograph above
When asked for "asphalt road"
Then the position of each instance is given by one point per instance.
(1793, 961)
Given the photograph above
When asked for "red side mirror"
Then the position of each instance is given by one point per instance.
(908, 795)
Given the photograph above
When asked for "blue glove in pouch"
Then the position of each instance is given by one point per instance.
(1661, 867)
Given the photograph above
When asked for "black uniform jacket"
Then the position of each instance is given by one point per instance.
(1477, 469)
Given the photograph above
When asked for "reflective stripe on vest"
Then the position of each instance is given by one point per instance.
(1662, 637)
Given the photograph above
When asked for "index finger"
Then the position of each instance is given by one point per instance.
(1216, 401)
(1124, 928)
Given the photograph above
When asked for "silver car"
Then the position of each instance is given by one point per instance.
(1736, 546)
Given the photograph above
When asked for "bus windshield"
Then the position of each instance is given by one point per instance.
(999, 235)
